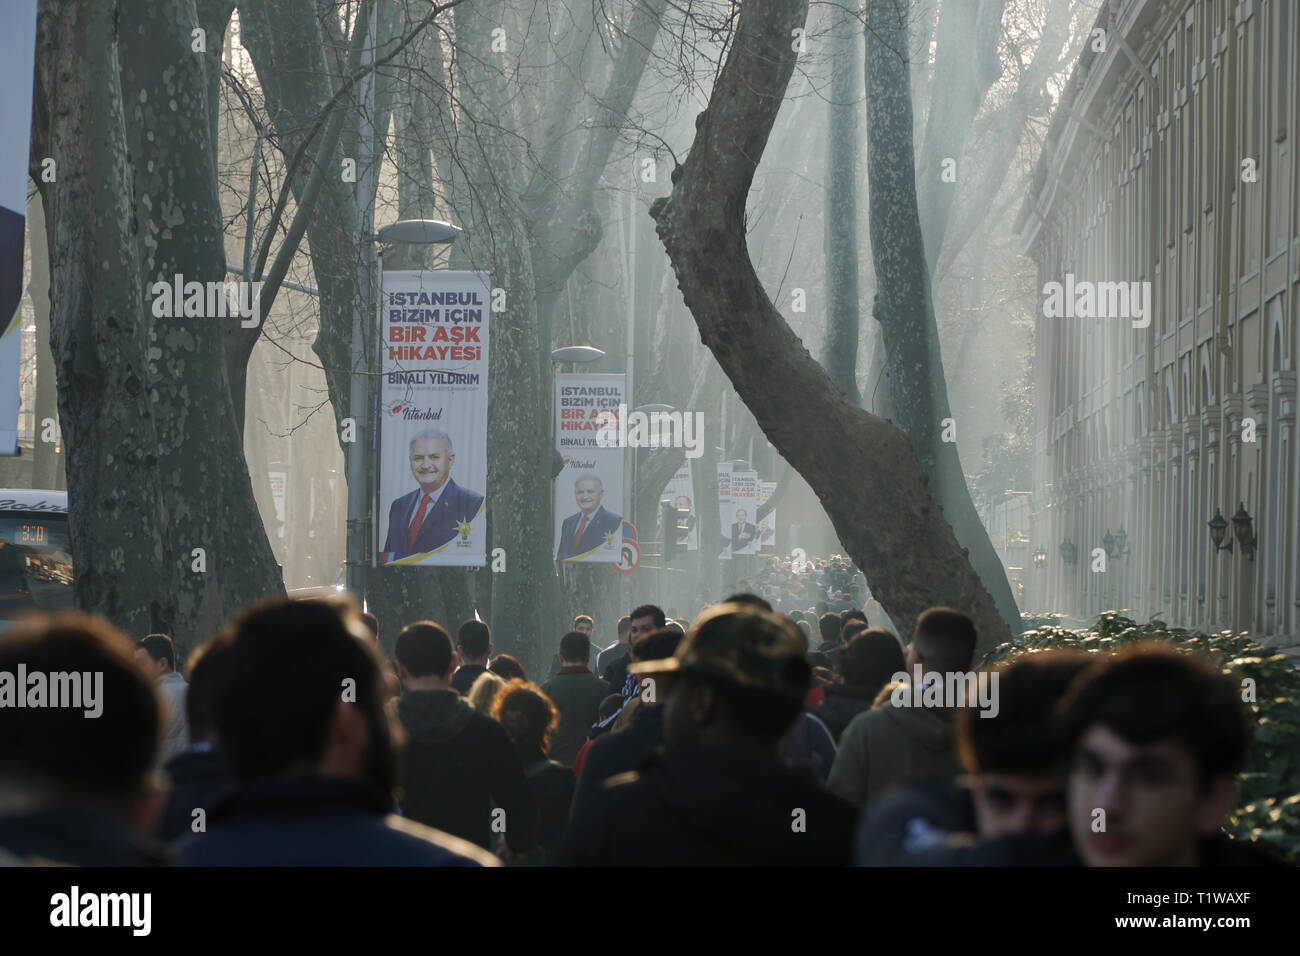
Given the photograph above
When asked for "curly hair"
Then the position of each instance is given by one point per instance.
(528, 716)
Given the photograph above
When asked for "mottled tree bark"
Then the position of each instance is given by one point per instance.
(872, 488)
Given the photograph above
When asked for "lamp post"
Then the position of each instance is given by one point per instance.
(1241, 527)
(1217, 528)
(362, 396)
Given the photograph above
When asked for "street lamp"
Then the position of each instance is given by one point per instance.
(1217, 528)
(1241, 527)
(360, 463)
(580, 354)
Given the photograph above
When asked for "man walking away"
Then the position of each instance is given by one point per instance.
(577, 694)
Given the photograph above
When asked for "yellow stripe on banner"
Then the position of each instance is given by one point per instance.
(15, 321)
(417, 558)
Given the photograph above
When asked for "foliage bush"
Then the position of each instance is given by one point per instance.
(1270, 783)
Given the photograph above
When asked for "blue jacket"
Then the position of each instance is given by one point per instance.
(440, 522)
(602, 523)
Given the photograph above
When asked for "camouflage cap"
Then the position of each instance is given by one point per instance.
(741, 644)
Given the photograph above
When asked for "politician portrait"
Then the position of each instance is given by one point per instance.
(433, 514)
(592, 526)
(742, 532)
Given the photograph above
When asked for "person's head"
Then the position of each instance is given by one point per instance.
(739, 678)
(851, 629)
(870, 660)
(682, 503)
(425, 657)
(431, 455)
(585, 624)
(98, 750)
(1156, 737)
(528, 716)
(204, 673)
(575, 648)
(645, 619)
(475, 642)
(828, 626)
(587, 492)
(853, 614)
(741, 516)
(1014, 754)
(483, 692)
(943, 642)
(752, 600)
(372, 624)
(309, 670)
(157, 653)
(624, 625)
(507, 667)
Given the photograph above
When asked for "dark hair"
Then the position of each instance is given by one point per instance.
(853, 614)
(650, 611)
(624, 624)
(945, 640)
(752, 600)
(424, 649)
(528, 716)
(851, 629)
(204, 675)
(159, 647)
(474, 638)
(828, 625)
(102, 759)
(583, 619)
(372, 623)
(871, 659)
(575, 646)
(1025, 734)
(657, 645)
(1149, 692)
(507, 667)
(288, 663)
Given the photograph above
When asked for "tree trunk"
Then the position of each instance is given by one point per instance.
(872, 488)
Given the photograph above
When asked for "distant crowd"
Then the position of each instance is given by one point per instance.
(746, 736)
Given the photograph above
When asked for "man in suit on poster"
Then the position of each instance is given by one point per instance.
(592, 525)
(428, 518)
(742, 532)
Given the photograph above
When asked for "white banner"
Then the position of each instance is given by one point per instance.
(278, 480)
(433, 418)
(589, 489)
(725, 511)
(681, 493)
(766, 527)
(17, 59)
(744, 505)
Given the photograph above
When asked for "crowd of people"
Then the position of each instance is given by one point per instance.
(747, 736)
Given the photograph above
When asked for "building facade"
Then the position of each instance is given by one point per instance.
(1170, 167)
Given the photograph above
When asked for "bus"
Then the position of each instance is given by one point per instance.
(35, 556)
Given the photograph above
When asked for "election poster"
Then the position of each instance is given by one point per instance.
(744, 505)
(680, 492)
(433, 418)
(767, 526)
(17, 56)
(589, 489)
(725, 510)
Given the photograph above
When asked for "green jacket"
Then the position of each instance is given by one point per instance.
(577, 694)
(888, 747)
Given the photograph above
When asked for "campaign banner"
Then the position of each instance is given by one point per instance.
(589, 489)
(433, 418)
(725, 510)
(766, 527)
(279, 481)
(681, 493)
(744, 505)
(17, 60)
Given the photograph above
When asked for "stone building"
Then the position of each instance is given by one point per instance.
(1166, 206)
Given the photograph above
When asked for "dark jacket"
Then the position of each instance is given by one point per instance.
(576, 693)
(843, 702)
(464, 678)
(601, 525)
(200, 779)
(440, 523)
(618, 752)
(552, 786)
(808, 746)
(712, 806)
(77, 836)
(903, 827)
(319, 821)
(459, 765)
